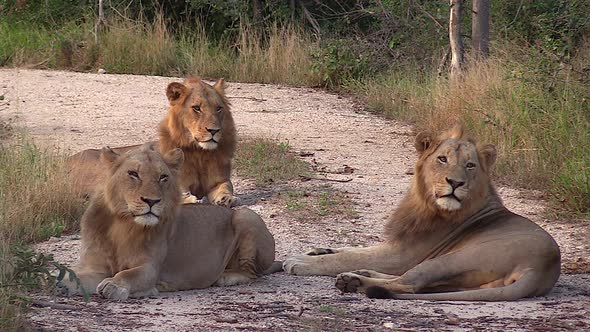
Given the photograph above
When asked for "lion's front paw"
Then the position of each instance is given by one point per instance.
(110, 290)
(188, 198)
(320, 251)
(348, 282)
(227, 200)
(299, 265)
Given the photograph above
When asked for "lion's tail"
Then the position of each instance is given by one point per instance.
(523, 287)
(276, 266)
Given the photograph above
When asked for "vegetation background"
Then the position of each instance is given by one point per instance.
(530, 98)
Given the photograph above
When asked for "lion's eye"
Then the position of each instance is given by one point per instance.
(470, 165)
(163, 178)
(219, 109)
(442, 159)
(133, 174)
(197, 109)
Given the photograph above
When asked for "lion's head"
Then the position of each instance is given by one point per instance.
(142, 184)
(452, 172)
(451, 182)
(199, 115)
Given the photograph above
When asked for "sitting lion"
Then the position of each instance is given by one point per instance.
(137, 239)
(200, 123)
(451, 238)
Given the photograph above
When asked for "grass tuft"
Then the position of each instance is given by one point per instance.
(268, 161)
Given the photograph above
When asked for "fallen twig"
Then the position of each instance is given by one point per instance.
(307, 178)
(249, 98)
(47, 304)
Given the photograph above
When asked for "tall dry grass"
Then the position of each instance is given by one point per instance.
(283, 54)
(138, 47)
(284, 58)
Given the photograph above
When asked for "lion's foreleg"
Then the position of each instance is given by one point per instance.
(223, 194)
(134, 282)
(334, 261)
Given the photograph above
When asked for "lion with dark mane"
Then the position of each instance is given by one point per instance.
(138, 240)
(200, 123)
(451, 238)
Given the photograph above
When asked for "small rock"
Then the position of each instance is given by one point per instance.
(101, 71)
(389, 325)
(452, 319)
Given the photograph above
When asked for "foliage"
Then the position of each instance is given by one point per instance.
(555, 26)
(337, 64)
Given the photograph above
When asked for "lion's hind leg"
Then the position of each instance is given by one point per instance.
(254, 253)
(468, 274)
(360, 280)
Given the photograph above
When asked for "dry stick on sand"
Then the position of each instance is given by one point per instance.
(249, 98)
(47, 304)
(307, 178)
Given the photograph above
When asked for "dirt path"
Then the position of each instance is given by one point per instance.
(76, 111)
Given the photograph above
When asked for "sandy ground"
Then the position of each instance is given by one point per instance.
(74, 111)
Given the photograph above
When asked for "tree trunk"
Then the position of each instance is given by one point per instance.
(257, 11)
(480, 29)
(455, 37)
(100, 22)
(293, 8)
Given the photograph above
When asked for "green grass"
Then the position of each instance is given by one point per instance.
(268, 161)
(36, 202)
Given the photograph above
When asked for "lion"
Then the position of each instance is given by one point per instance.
(450, 238)
(199, 122)
(138, 240)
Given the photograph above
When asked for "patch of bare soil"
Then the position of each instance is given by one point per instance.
(76, 111)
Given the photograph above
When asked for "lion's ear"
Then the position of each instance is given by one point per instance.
(174, 158)
(488, 153)
(176, 93)
(108, 155)
(220, 86)
(423, 141)
(456, 131)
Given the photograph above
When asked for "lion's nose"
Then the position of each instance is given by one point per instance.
(150, 202)
(455, 184)
(213, 131)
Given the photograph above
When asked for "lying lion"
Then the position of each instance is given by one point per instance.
(200, 123)
(137, 239)
(451, 238)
